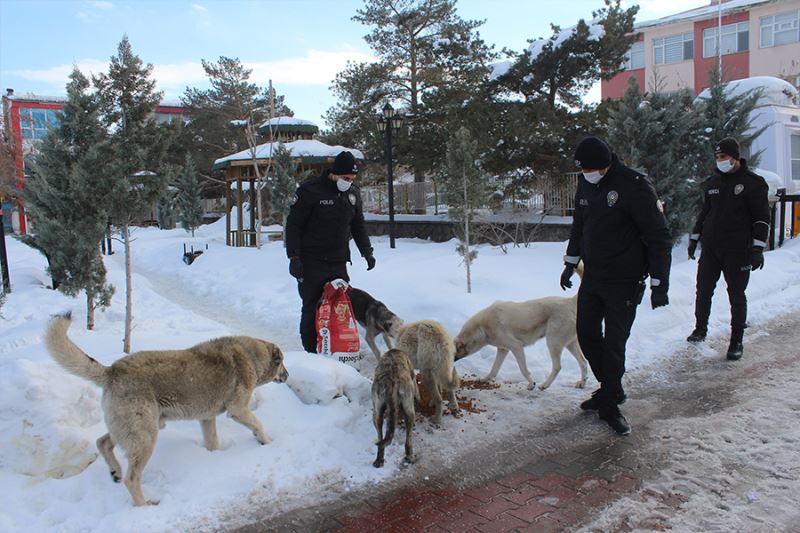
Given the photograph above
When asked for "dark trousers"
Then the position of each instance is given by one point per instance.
(316, 274)
(735, 266)
(605, 316)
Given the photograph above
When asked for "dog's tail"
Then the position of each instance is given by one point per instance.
(68, 355)
(391, 394)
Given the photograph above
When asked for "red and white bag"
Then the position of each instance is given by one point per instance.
(337, 333)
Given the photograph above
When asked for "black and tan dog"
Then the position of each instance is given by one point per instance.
(144, 389)
(394, 390)
(375, 318)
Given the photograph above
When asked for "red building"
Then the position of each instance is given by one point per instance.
(26, 119)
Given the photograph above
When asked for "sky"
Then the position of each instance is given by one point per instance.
(299, 44)
(52, 478)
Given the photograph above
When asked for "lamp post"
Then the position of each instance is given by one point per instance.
(390, 121)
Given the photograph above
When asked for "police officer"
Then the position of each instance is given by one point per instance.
(620, 233)
(733, 226)
(325, 213)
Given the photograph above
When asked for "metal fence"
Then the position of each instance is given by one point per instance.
(553, 195)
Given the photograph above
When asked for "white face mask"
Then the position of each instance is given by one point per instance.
(725, 165)
(343, 185)
(593, 177)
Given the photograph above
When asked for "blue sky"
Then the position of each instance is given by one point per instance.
(299, 44)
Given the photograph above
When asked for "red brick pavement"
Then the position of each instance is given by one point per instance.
(520, 502)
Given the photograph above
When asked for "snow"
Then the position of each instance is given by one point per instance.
(301, 148)
(700, 13)
(775, 90)
(287, 121)
(774, 182)
(320, 420)
(596, 32)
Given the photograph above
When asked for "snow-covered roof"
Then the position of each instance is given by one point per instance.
(288, 125)
(310, 150)
(699, 13)
(33, 97)
(287, 121)
(775, 90)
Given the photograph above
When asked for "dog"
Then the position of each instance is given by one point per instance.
(144, 389)
(375, 318)
(394, 389)
(510, 326)
(431, 350)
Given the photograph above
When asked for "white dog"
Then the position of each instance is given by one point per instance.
(510, 326)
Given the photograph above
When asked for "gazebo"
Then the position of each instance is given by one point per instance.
(297, 137)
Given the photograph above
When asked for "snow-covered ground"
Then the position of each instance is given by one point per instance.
(320, 420)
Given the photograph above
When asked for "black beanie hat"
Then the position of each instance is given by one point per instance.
(592, 153)
(728, 146)
(345, 163)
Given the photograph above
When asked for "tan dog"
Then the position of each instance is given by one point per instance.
(144, 389)
(394, 390)
(510, 326)
(431, 350)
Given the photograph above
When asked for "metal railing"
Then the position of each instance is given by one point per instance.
(779, 215)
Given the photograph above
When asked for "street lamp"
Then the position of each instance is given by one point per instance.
(390, 121)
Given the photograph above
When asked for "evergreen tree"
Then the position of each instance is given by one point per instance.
(431, 64)
(283, 182)
(167, 207)
(65, 196)
(465, 187)
(189, 203)
(128, 98)
(728, 115)
(661, 134)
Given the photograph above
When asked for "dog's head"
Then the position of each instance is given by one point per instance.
(461, 348)
(272, 368)
(392, 324)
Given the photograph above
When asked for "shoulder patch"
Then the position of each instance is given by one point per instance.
(660, 205)
(612, 198)
(294, 199)
(352, 198)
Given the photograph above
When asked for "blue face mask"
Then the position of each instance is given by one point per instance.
(725, 165)
(343, 185)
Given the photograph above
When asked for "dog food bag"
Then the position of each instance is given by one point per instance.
(337, 333)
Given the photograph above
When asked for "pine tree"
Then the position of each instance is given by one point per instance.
(727, 115)
(464, 189)
(661, 134)
(65, 196)
(167, 208)
(189, 203)
(283, 182)
(128, 98)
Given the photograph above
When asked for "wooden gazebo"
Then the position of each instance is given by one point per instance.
(309, 154)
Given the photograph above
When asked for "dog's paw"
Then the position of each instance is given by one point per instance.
(262, 438)
(532, 385)
(378, 463)
(409, 460)
(486, 379)
(115, 477)
(153, 502)
(580, 384)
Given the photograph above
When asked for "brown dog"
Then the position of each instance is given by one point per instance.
(144, 389)
(394, 389)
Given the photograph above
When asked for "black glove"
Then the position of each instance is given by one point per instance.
(296, 267)
(565, 282)
(658, 297)
(757, 257)
(370, 261)
(692, 248)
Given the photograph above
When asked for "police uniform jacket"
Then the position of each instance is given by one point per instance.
(619, 229)
(735, 214)
(322, 219)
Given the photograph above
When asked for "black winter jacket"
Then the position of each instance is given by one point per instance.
(735, 214)
(619, 229)
(322, 220)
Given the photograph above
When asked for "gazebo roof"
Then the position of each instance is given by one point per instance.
(288, 125)
(309, 151)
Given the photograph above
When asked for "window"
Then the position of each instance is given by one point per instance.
(796, 157)
(782, 28)
(634, 58)
(35, 122)
(735, 38)
(673, 49)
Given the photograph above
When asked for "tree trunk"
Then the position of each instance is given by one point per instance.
(467, 256)
(89, 310)
(126, 343)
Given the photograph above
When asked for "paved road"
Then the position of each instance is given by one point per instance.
(714, 448)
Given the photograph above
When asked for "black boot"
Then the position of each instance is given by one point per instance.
(614, 419)
(735, 348)
(698, 335)
(598, 399)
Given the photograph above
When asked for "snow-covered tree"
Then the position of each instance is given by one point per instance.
(167, 207)
(282, 182)
(189, 202)
(128, 98)
(66, 199)
(465, 185)
(662, 135)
